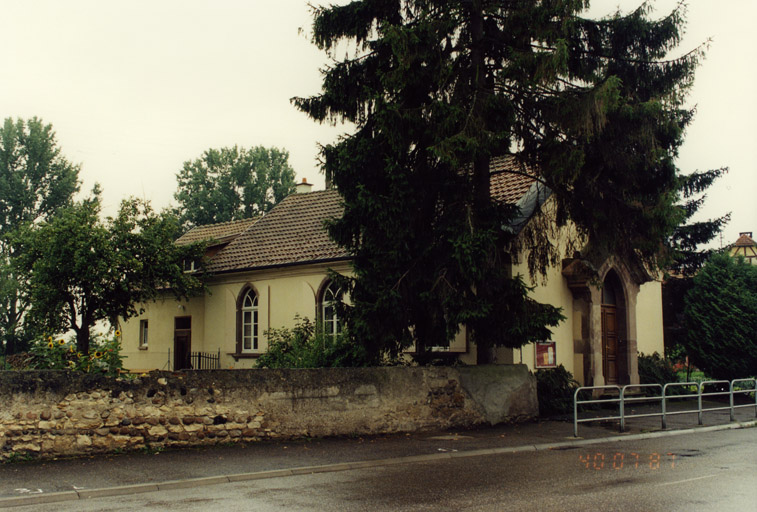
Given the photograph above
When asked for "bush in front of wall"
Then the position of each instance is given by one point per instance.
(655, 369)
(307, 346)
(555, 388)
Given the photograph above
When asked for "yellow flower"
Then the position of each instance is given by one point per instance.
(79, 355)
(71, 349)
(61, 341)
(49, 339)
(98, 354)
(118, 334)
(50, 344)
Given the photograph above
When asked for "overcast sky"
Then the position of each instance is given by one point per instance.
(134, 89)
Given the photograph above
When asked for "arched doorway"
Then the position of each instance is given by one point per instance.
(614, 346)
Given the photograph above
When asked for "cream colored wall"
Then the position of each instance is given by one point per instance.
(282, 294)
(160, 316)
(649, 328)
(553, 291)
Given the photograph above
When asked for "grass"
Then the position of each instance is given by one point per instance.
(695, 376)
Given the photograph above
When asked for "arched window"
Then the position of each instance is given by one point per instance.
(249, 325)
(330, 297)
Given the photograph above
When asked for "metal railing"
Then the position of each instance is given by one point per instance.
(205, 360)
(663, 398)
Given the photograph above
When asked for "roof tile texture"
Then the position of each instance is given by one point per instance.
(509, 180)
(292, 232)
(217, 232)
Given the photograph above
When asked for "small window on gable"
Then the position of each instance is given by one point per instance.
(331, 296)
(143, 334)
(249, 311)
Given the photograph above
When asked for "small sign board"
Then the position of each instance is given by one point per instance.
(546, 354)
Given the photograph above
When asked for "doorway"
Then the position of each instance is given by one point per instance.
(614, 364)
(182, 342)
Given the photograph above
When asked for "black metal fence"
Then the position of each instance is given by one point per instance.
(205, 360)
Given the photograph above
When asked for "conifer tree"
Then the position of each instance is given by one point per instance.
(592, 109)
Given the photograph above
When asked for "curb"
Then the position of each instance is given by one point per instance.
(55, 497)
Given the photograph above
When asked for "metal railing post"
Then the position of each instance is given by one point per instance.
(664, 419)
(699, 403)
(575, 413)
(730, 400)
(622, 409)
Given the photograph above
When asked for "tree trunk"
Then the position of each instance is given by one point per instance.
(82, 340)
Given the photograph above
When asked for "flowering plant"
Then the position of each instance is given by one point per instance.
(58, 354)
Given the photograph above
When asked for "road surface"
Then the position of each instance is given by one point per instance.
(703, 471)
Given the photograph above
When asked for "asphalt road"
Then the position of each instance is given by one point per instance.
(703, 471)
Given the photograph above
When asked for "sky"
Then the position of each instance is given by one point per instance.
(134, 89)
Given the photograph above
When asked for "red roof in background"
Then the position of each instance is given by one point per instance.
(745, 240)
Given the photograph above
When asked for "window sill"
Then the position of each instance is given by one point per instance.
(247, 355)
(143, 347)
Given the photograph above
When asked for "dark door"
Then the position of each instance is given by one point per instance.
(610, 344)
(182, 342)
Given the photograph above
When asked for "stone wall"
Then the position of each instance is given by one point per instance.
(51, 413)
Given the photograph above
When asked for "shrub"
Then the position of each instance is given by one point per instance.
(655, 369)
(555, 388)
(307, 346)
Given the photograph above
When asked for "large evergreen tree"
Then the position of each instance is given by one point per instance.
(35, 181)
(721, 318)
(592, 108)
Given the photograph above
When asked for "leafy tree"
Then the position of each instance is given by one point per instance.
(721, 318)
(35, 180)
(80, 270)
(435, 89)
(232, 183)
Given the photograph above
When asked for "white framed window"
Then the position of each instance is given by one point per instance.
(191, 266)
(331, 296)
(249, 325)
(143, 338)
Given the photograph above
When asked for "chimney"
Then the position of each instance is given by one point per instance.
(746, 233)
(303, 188)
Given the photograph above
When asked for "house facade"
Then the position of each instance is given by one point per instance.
(266, 272)
(746, 247)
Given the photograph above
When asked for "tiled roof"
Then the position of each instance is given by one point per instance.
(216, 233)
(745, 240)
(290, 233)
(293, 231)
(509, 180)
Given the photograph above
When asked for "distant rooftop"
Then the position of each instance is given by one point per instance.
(745, 240)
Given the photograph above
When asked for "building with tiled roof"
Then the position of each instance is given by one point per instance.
(261, 273)
(291, 233)
(744, 246)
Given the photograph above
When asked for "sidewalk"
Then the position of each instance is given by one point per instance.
(24, 483)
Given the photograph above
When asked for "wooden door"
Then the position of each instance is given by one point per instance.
(182, 342)
(610, 344)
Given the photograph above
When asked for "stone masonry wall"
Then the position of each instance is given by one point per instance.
(51, 413)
